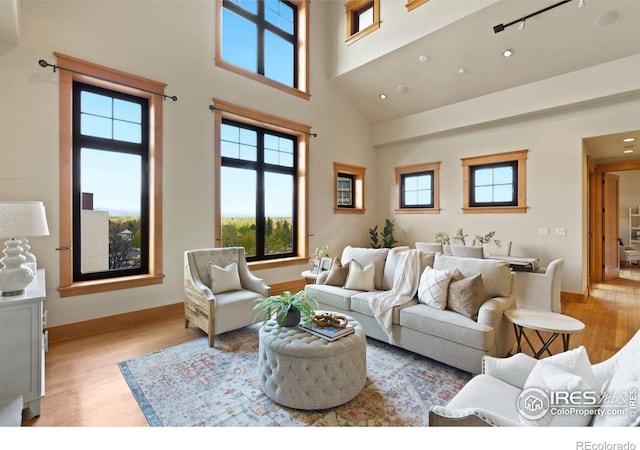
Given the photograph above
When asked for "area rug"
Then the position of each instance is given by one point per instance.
(193, 385)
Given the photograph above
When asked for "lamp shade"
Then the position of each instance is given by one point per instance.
(22, 219)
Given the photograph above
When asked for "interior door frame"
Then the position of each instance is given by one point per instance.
(596, 175)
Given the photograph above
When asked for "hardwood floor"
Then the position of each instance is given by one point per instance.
(84, 386)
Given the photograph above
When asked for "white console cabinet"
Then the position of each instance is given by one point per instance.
(23, 343)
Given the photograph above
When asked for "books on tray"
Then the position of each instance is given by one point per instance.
(328, 333)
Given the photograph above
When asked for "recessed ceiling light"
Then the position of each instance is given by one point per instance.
(629, 140)
(607, 18)
(423, 58)
(383, 96)
(461, 71)
(507, 52)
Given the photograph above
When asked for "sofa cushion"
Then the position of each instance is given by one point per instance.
(566, 372)
(432, 288)
(365, 256)
(496, 275)
(448, 325)
(466, 295)
(362, 303)
(361, 278)
(334, 296)
(224, 279)
(337, 274)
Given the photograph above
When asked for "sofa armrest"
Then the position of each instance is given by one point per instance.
(441, 416)
(513, 370)
(492, 311)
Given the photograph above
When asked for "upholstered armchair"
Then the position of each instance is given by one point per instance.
(541, 290)
(220, 290)
(492, 398)
(629, 254)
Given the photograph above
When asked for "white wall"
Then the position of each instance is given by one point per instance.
(170, 42)
(555, 180)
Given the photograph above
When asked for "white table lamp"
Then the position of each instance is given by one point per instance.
(19, 219)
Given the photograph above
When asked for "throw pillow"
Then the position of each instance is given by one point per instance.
(466, 295)
(568, 372)
(361, 279)
(432, 288)
(224, 279)
(338, 273)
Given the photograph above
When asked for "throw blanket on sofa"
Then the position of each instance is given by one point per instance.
(405, 287)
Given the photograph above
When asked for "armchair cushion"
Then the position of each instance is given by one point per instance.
(224, 279)
(566, 372)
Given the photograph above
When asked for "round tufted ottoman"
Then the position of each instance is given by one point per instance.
(303, 371)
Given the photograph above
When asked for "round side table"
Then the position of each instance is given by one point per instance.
(539, 320)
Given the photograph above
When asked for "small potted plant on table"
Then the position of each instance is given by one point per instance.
(287, 309)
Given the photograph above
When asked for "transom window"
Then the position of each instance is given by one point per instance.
(348, 182)
(264, 40)
(363, 17)
(417, 188)
(495, 183)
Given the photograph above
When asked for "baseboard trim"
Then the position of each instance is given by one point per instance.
(94, 326)
(574, 297)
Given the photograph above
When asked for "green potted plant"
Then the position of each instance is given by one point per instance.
(387, 235)
(488, 238)
(287, 309)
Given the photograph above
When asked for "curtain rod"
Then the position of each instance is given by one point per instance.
(213, 108)
(45, 64)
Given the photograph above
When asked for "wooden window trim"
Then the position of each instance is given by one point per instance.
(521, 157)
(413, 4)
(226, 110)
(302, 50)
(110, 79)
(415, 168)
(358, 194)
(351, 7)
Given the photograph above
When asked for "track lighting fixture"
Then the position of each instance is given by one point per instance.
(500, 27)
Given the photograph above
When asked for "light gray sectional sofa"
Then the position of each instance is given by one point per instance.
(443, 335)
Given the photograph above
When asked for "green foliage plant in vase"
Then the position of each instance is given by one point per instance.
(387, 235)
(287, 309)
(488, 238)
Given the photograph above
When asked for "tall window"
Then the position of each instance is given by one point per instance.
(495, 183)
(110, 183)
(417, 187)
(110, 179)
(258, 190)
(261, 185)
(265, 40)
